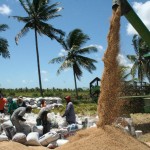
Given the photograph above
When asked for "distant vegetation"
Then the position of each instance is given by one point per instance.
(84, 94)
(85, 105)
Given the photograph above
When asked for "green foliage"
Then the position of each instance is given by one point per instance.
(141, 65)
(133, 105)
(35, 95)
(75, 59)
(4, 43)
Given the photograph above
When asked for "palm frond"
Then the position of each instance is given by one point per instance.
(134, 69)
(22, 19)
(132, 58)
(22, 32)
(76, 37)
(49, 12)
(87, 50)
(57, 60)
(4, 48)
(49, 30)
(87, 63)
(135, 42)
(25, 6)
(3, 27)
(66, 64)
(31, 7)
(77, 70)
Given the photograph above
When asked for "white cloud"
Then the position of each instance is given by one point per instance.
(143, 11)
(67, 69)
(99, 47)
(44, 72)
(124, 61)
(62, 52)
(27, 81)
(5, 10)
(46, 80)
(24, 81)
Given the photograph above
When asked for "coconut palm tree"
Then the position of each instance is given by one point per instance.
(73, 44)
(125, 73)
(4, 43)
(140, 64)
(39, 12)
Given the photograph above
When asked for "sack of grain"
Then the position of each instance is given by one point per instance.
(33, 139)
(52, 145)
(61, 142)
(48, 138)
(3, 138)
(20, 138)
(38, 129)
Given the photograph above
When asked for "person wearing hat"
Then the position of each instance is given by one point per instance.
(17, 116)
(69, 112)
(20, 102)
(12, 105)
(3, 101)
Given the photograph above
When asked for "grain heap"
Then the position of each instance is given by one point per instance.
(107, 138)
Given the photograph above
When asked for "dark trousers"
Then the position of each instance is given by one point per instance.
(45, 123)
(2, 111)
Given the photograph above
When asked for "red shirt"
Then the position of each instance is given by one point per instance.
(2, 103)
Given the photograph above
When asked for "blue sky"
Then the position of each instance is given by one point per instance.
(92, 17)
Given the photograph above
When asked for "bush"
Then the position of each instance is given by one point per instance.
(134, 105)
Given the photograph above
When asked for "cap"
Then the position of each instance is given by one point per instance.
(67, 98)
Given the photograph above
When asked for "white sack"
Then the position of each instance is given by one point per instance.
(48, 138)
(6, 124)
(3, 138)
(8, 129)
(20, 138)
(33, 139)
(52, 145)
(61, 142)
(38, 129)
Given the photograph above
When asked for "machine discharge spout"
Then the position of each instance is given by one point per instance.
(133, 18)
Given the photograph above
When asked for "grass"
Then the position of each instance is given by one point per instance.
(80, 109)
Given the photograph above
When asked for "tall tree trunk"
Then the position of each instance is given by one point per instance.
(75, 84)
(38, 62)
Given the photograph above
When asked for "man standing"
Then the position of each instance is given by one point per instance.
(3, 101)
(17, 116)
(69, 112)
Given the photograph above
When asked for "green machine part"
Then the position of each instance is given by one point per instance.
(133, 18)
